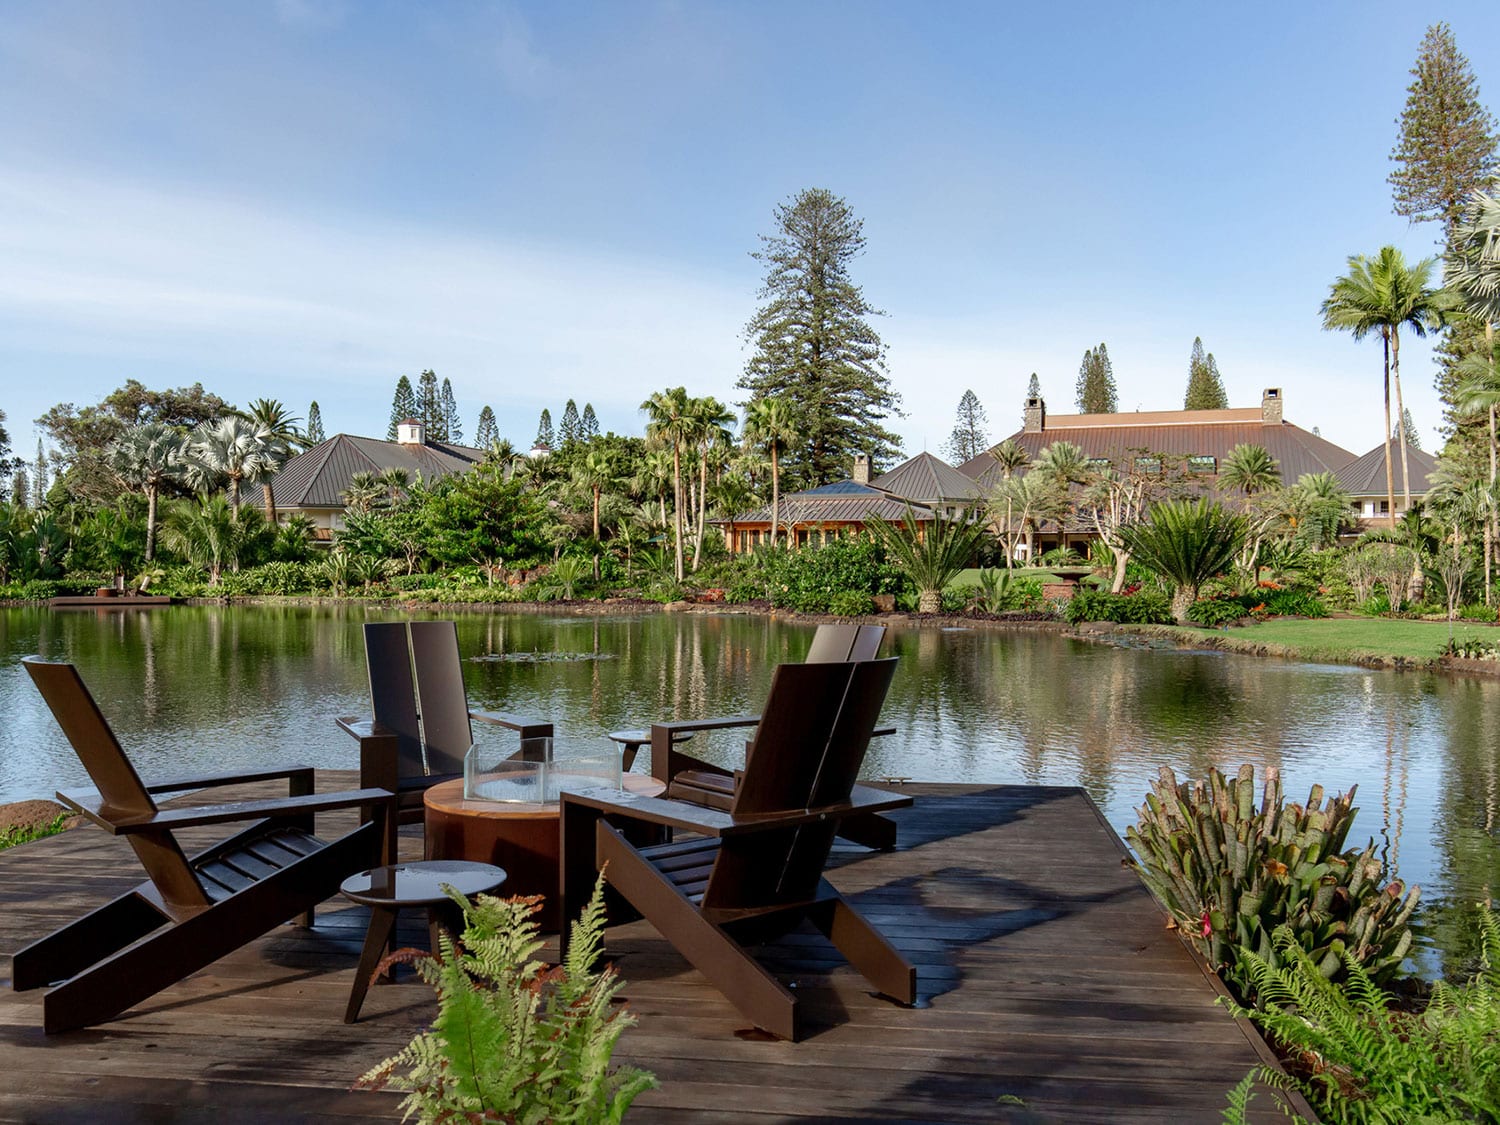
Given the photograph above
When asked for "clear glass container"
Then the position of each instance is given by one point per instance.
(541, 775)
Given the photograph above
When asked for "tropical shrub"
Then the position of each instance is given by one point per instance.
(1230, 874)
(1477, 613)
(1144, 607)
(851, 603)
(1186, 542)
(1000, 591)
(930, 556)
(806, 578)
(514, 1041)
(1292, 602)
(1359, 1059)
(1213, 612)
(1470, 648)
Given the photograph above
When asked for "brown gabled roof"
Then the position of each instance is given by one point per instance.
(928, 480)
(1365, 476)
(316, 477)
(840, 502)
(1208, 433)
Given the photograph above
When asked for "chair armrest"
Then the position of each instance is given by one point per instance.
(209, 781)
(91, 805)
(879, 731)
(678, 726)
(526, 728)
(363, 728)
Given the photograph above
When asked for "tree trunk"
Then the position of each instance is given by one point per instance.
(151, 491)
(677, 503)
(1400, 418)
(270, 498)
(1390, 480)
(929, 601)
(775, 495)
(1489, 523)
(1182, 601)
(1122, 560)
(702, 508)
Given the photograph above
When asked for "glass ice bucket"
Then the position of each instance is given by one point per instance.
(541, 774)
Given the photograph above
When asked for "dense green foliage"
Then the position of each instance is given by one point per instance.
(1230, 874)
(1095, 390)
(1361, 1060)
(1144, 607)
(808, 579)
(18, 834)
(929, 554)
(514, 1041)
(1205, 387)
(1186, 542)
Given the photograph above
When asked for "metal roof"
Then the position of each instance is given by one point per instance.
(316, 477)
(1296, 450)
(927, 479)
(1365, 476)
(820, 505)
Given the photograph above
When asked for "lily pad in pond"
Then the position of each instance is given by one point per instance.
(541, 657)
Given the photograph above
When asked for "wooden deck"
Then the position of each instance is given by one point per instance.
(1047, 980)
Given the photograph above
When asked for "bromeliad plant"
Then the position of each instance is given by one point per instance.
(514, 1041)
(1230, 874)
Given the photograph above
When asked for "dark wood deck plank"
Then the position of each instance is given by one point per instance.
(1045, 970)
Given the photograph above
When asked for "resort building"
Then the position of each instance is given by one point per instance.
(1364, 478)
(313, 483)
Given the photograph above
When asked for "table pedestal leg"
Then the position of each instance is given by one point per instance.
(382, 922)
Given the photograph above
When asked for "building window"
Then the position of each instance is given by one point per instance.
(1385, 507)
(1097, 463)
(1203, 463)
(1148, 464)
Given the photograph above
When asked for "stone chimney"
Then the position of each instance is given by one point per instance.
(411, 432)
(1036, 415)
(1270, 407)
(861, 469)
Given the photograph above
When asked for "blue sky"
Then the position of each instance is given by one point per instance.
(306, 199)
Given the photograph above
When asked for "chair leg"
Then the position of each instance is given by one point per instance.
(863, 946)
(870, 829)
(79, 944)
(759, 996)
(382, 921)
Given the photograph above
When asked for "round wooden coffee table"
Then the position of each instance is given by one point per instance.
(522, 837)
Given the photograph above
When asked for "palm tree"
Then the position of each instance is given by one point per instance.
(595, 472)
(282, 438)
(205, 533)
(1250, 469)
(1009, 456)
(1187, 542)
(149, 456)
(1386, 295)
(652, 479)
(930, 556)
(1028, 501)
(1320, 506)
(1064, 462)
(710, 432)
(772, 422)
(671, 426)
(230, 450)
(366, 492)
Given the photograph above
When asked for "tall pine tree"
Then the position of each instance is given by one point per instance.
(39, 483)
(544, 434)
(1412, 440)
(404, 406)
(589, 424)
(1205, 390)
(970, 437)
(1034, 388)
(314, 424)
(1096, 383)
(1447, 145)
(453, 429)
(814, 343)
(430, 407)
(568, 428)
(487, 433)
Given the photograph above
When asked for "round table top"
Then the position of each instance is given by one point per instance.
(421, 884)
(448, 798)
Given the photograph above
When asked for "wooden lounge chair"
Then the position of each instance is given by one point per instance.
(420, 727)
(211, 904)
(754, 871)
(694, 779)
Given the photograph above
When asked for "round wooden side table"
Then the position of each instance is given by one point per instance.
(631, 742)
(521, 836)
(386, 890)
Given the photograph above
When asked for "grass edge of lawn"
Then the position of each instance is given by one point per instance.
(1249, 640)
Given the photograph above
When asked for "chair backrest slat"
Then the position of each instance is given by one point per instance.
(446, 729)
(835, 643)
(125, 795)
(393, 700)
(801, 710)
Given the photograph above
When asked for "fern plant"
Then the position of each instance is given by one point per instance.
(1360, 1060)
(514, 1041)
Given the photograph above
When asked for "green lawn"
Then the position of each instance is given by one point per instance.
(1349, 638)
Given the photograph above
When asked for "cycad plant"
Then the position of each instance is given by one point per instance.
(931, 554)
(1186, 542)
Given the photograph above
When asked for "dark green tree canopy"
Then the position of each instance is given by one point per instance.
(588, 425)
(813, 340)
(487, 433)
(1447, 144)
(1096, 383)
(403, 406)
(314, 424)
(1205, 390)
(568, 430)
(453, 429)
(970, 436)
(544, 429)
(430, 407)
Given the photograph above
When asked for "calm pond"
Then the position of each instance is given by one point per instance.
(192, 688)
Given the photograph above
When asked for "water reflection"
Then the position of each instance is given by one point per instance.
(206, 688)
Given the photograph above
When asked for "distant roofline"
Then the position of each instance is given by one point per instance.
(1236, 415)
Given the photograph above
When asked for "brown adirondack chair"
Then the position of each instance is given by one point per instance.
(754, 871)
(708, 784)
(211, 904)
(420, 725)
